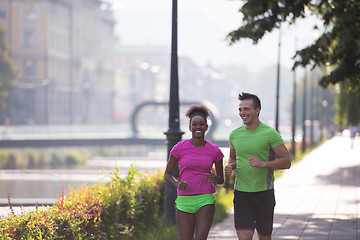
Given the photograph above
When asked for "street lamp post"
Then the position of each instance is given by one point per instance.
(293, 124)
(312, 92)
(278, 85)
(312, 109)
(303, 146)
(173, 134)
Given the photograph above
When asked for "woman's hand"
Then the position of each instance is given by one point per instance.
(211, 177)
(182, 185)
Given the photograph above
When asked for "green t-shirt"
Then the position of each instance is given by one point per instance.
(258, 143)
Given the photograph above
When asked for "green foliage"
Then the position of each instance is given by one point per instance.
(8, 74)
(347, 104)
(3, 158)
(320, 104)
(56, 160)
(12, 160)
(35, 159)
(74, 158)
(163, 231)
(77, 217)
(338, 46)
(132, 204)
(124, 208)
(104, 151)
(34, 225)
(223, 201)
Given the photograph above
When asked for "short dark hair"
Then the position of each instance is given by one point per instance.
(253, 97)
(198, 110)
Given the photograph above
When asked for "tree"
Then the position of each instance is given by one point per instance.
(347, 105)
(8, 74)
(338, 46)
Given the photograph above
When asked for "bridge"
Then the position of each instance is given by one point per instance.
(41, 143)
(96, 135)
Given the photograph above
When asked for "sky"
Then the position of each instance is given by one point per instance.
(202, 29)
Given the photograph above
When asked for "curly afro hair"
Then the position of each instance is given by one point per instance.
(198, 110)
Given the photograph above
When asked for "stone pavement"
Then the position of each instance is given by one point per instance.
(317, 198)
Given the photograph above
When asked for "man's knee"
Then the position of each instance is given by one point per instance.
(244, 234)
(264, 237)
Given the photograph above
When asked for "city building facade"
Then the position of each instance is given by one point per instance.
(64, 52)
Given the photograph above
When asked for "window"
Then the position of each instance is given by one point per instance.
(29, 38)
(29, 13)
(3, 14)
(29, 68)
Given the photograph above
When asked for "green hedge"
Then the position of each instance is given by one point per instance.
(128, 207)
(133, 204)
(123, 208)
(37, 159)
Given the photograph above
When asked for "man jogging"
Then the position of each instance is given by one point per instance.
(256, 150)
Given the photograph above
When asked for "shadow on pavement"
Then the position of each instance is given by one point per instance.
(346, 176)
(305, 227)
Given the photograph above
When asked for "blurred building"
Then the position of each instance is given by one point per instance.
(142, 74)
(64, 51)
(145, 72)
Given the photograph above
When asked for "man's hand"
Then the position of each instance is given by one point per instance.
(255, 162)
(229, 168)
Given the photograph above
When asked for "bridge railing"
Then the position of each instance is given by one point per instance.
(104, 134)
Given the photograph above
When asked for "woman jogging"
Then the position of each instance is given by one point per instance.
(195, 204)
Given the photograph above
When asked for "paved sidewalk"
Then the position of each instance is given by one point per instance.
(317, 198)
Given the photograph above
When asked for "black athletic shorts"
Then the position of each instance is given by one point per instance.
(254, 210)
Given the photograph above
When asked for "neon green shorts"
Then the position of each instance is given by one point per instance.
(192, 203)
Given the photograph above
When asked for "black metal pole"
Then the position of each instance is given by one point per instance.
(312, 91)
(293, 125)
(173, 134)
(303, 146)
(318, 109)
(278, 86)
(293, 122)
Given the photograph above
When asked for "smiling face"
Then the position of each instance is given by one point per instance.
(248, 113)
(198, 127)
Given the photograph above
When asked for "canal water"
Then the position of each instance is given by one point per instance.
(27, 186)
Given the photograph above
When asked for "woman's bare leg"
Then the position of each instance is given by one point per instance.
(186, 225)
(204, 219)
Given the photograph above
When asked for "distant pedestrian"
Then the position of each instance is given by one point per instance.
(353, 130)
(195, 204)
(256, 150)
